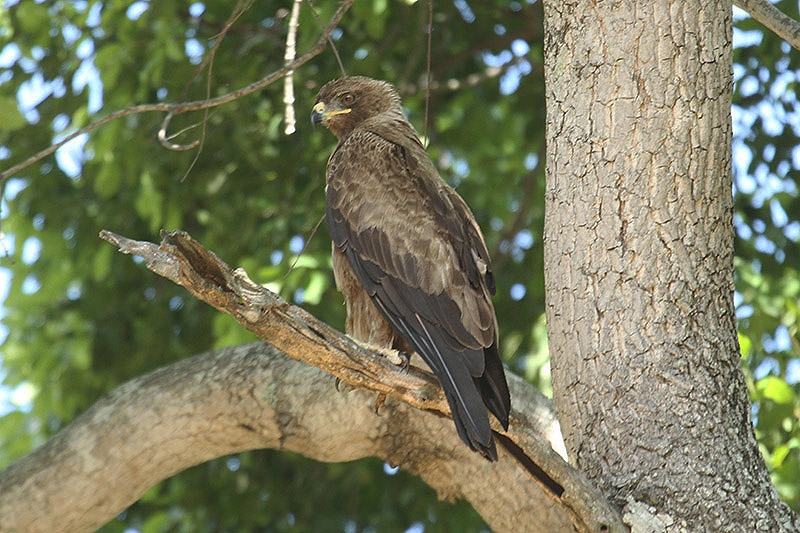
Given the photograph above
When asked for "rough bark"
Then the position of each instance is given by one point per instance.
(639, 263)
(248, 397)
(221, 403)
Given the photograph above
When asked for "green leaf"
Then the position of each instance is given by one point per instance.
(778, 455)
(745, 345)
(316, 287)
(15, 436)
(10, 117)
(101, 263)
(158, 521)
(777, 390)
(108, 179)
(33, 18)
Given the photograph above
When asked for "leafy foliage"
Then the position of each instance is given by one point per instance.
(82, 319)
(766, 164)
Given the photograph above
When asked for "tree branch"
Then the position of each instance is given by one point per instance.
(241, 398)
(179, 108)
(770, 16)
(303, 337)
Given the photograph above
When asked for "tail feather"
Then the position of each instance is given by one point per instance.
(493, 386)
(466, 431)
(468, 396)
(463, 396)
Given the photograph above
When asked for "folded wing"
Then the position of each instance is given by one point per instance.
(417, 251)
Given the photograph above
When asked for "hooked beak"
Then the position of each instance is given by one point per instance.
(320, 116)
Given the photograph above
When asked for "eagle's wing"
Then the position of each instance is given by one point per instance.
(417, 251)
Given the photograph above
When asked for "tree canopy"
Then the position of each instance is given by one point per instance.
(82, 319)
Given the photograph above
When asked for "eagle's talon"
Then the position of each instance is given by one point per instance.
(405, 361)
(342, 387)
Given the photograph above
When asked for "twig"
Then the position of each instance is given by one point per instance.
(218, 36)
(177, 109)
(237, 12)
(428, 74)
(288, 80)
(207, 61)
(783, 26)
(308, 241)
(472, 80)
(165, 142)
(330, 41)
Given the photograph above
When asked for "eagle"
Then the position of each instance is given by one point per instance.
(408, 255)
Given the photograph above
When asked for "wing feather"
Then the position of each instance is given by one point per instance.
(419, 254)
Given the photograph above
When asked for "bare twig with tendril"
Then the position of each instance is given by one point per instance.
(178, 108)
(237, 12)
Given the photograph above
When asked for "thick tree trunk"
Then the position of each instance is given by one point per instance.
(639, 262)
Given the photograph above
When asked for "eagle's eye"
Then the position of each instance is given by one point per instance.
(348, 98)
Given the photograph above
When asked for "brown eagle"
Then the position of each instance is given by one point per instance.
(408, 256)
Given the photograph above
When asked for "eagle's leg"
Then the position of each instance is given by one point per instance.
(399, 358)
(365, 324)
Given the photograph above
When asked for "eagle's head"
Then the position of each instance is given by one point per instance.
(343, 104)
